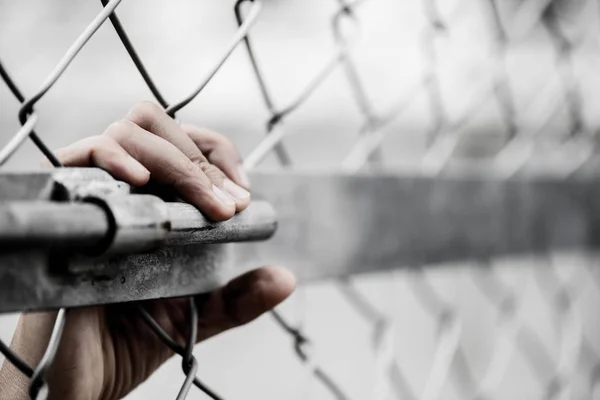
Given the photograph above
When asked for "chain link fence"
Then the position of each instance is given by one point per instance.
(426, 86)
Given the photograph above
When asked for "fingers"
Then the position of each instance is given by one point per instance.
(152, 118)
(104, 152)
(149, 142)
(243, 299)
(220, 151)
(168, 165)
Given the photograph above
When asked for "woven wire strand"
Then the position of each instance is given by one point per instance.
(443, 142)
(37, 384)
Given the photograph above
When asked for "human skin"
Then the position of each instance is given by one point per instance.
(106, 351)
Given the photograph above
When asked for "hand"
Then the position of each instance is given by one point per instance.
(105, 352)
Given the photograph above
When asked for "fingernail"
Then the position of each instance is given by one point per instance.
(137, 166)
(235, 191)
(223, 197)
(244, 180)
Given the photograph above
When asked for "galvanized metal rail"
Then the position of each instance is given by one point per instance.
(74, 237)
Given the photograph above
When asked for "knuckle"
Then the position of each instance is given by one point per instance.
(213, 173)
(210, 170)
(181, 170)
(203, 164)
(189, 166)
(198, 159)
(174, 177)
(104, 148)
(145, 111)
(119, 130)
(103, 142)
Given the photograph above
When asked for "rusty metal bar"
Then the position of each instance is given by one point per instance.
(329, 226)
(80, 226)
(49, 224)
(338, 224)
(188, 226)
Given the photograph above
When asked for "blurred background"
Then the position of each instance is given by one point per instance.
(452, 85)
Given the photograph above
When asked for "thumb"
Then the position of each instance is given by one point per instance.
(243, 299)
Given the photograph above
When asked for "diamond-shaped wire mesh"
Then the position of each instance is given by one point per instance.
(426, 86)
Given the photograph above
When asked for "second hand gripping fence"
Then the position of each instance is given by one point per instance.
(516, 146)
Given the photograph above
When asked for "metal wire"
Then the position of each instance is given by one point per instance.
(448, 351)
(300, 342)
(564, 48)
(14, 359)
(274, 135)
(36, 384)
(116, 23)
(189, 363)
(273, 140)
(27, 107)
(449, 364)
(10, 83)
(66, 60)
(28, 121)
(18, 139)
(237, 38)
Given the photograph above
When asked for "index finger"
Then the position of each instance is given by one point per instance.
(220, 151)
(168, 165)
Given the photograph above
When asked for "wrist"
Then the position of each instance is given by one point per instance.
(13, 384)
(29, 343)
